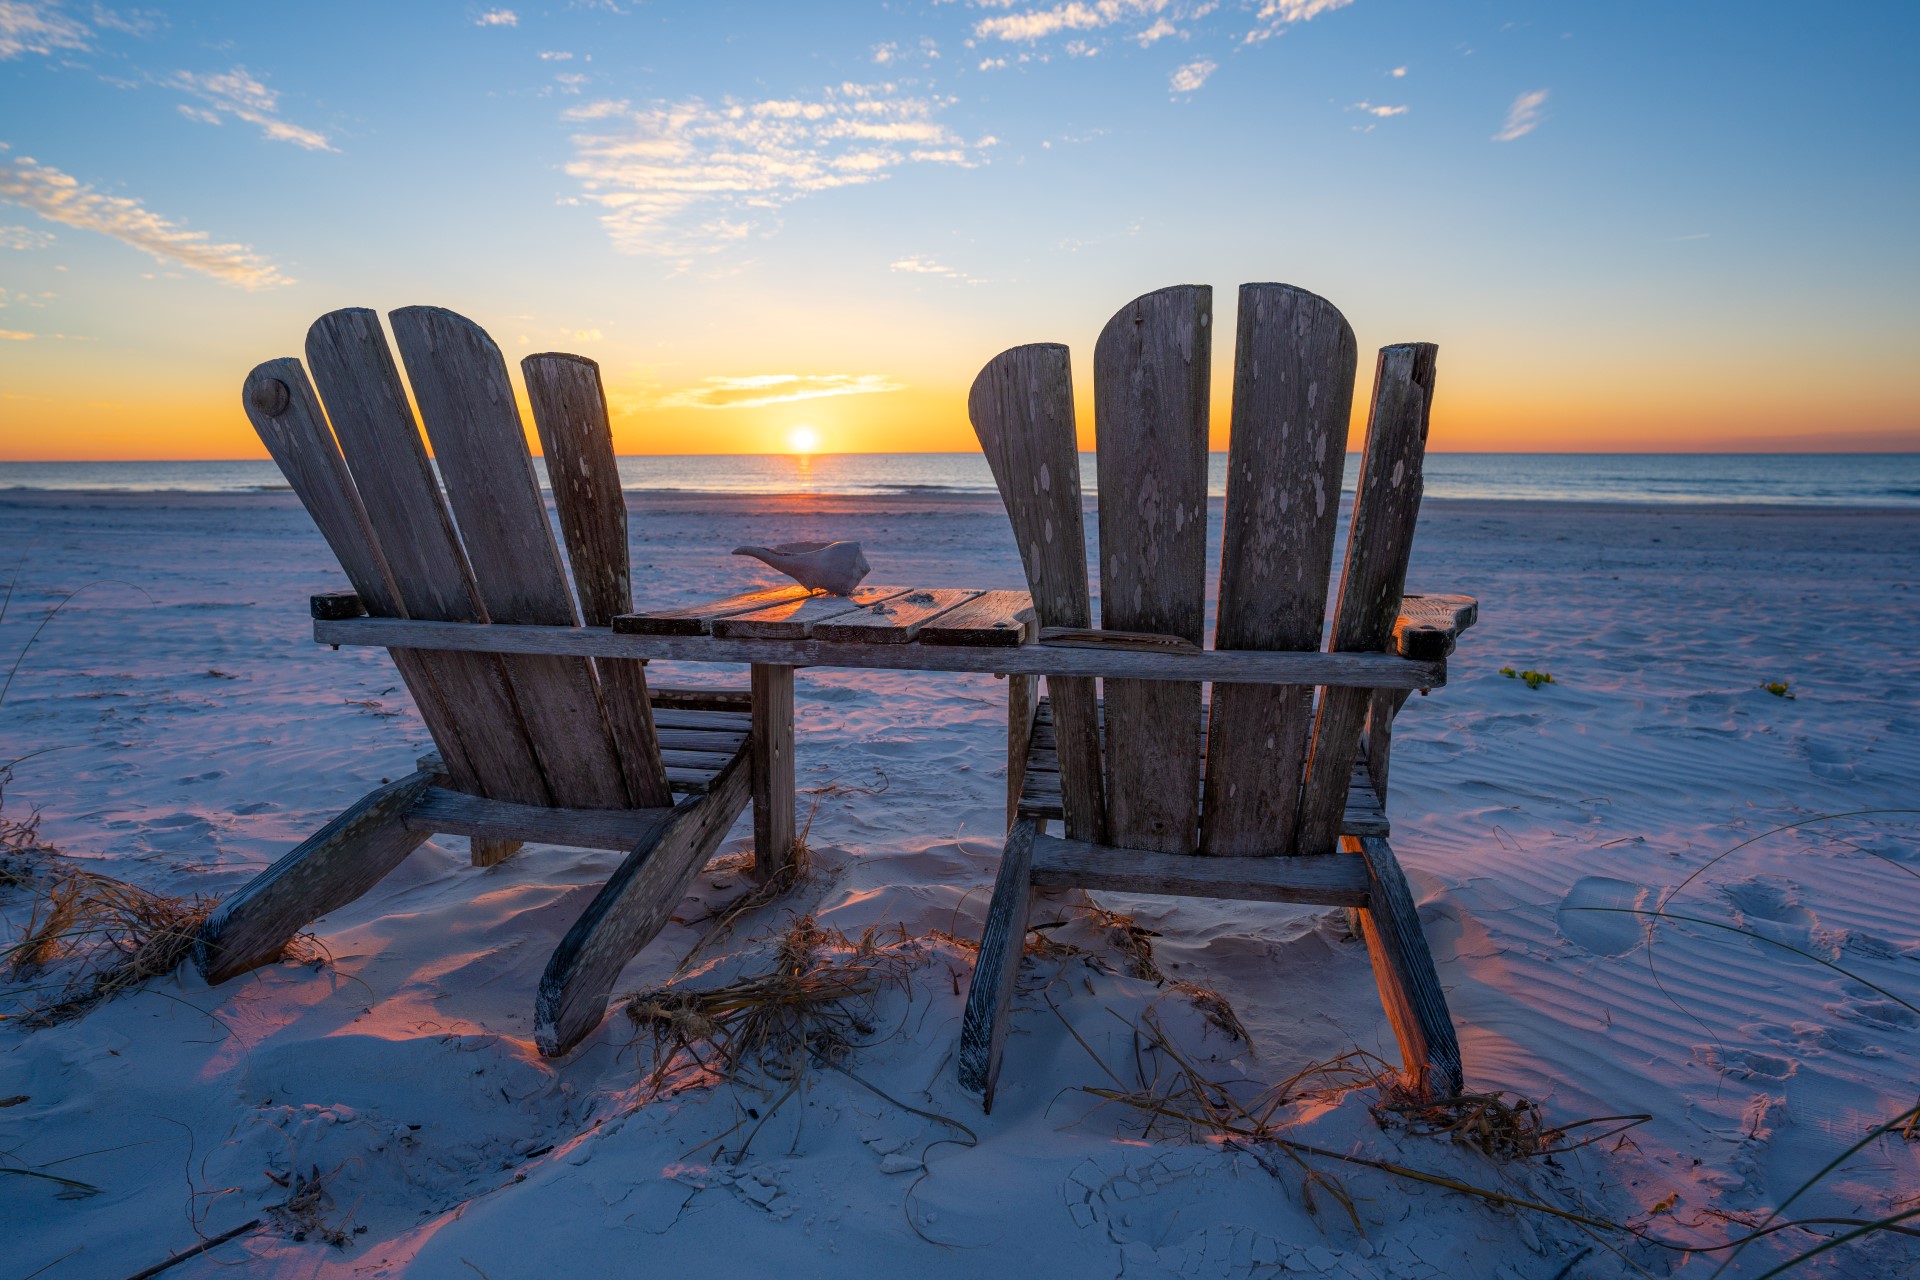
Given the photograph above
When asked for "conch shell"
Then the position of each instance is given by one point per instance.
(835, 567)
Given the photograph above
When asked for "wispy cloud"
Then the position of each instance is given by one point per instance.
(1374, 109)
(1398, 73)
(921, 265)
(240, 94)
(1523, 117)
(16, 335)
(1189, 78)
(1275, 16)
(24, 238)
(58, 197)
(497, 18)
(775, 388)
(1075, 15)
(27, 27)
(684, 178)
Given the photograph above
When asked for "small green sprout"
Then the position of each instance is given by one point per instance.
(1778, 688)
(1534, 679)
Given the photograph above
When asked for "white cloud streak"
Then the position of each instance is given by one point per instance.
(497, 18)
(920, 265)
(26, 27)
(1189, 78)
(1274, 16)
(1075, 15)
(775, 388)
(1523, 117)
(1372, 109)
(240, 94)
(685, 178)
(58, 197)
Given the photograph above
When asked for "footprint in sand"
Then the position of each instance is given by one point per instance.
(1597, 914)
(1770, 907)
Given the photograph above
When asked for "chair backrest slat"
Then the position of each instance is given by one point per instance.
(570, 411)
(1022, 411)
(1294, 365)
(367, 405)
(286, 413)
(466, 402)
(1152, 366)
(1379, 542)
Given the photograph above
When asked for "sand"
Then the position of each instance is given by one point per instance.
(192, 732)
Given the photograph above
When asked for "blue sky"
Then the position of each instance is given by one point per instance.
(1628, 225)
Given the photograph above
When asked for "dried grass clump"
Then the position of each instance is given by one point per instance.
(798, 867)
(108, 935)
(304, 1212)
(1131, 939)
(1214, 1008)
(814, 1006)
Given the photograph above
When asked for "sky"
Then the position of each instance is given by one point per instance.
(1629, 226)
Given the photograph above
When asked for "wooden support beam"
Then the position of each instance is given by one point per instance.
(1363, 670)
(771, 749)
(1403, 966)
(325, 872)
(983, 1031)
(630, 910)
(440, 811)
(1074, 864)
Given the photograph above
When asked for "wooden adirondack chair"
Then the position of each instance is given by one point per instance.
(562, 750)
(1255, 795)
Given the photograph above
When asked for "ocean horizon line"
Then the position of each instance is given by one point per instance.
(1794, 479)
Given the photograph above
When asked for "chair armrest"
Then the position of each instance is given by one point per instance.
(1428, 625)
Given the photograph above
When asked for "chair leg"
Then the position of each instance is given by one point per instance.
(631, 908)
(983, 1033)
(491, 851)
(771, 743)
(1403, 966)
(331, 868)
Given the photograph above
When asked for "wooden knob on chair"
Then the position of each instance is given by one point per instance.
(270, 396)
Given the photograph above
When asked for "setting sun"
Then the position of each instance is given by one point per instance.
(803, 439)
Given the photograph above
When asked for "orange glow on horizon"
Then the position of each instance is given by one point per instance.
(1481, 408)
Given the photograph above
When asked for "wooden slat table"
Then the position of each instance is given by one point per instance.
(776, 630)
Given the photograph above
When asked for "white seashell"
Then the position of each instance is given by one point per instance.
(835, 567)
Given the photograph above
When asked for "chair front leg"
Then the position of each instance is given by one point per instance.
(771, 749)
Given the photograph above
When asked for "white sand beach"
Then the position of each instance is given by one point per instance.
(178, 728)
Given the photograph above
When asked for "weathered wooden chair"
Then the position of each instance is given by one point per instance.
(562, 750)
(1257, 795)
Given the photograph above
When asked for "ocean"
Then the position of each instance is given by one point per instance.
(1816, 479)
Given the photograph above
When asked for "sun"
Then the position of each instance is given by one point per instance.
(803, 439)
